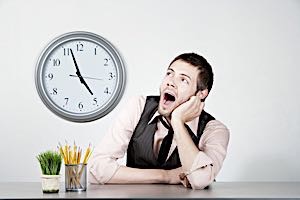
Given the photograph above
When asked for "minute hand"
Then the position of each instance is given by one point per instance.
(79, 74)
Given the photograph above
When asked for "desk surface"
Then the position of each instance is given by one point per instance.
(232, 190)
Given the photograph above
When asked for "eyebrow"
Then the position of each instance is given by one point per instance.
(180, 74)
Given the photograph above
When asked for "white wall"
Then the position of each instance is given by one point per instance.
(253, 47)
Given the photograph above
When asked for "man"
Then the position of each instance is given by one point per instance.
(168, 139)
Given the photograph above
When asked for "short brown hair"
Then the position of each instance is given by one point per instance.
(205, 76)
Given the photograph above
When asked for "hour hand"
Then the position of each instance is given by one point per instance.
(84, 83)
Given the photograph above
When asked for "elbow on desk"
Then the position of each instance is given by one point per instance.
(200, 185)
(92, 179)
(98, 177)
(101, 171)
(202, 178)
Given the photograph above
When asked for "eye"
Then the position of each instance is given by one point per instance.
(184, 81)
(168, 73)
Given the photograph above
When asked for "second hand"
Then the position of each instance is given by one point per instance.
(86, 77)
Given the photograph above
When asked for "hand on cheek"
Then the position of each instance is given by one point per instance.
(188, 110)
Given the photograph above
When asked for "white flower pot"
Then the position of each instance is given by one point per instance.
(50, 183)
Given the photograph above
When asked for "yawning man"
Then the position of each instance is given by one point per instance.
(168, 138)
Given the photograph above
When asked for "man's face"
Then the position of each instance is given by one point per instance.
(179, 84)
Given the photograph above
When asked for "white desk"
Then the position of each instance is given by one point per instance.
(232, 190)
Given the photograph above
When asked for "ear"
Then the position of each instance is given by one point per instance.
(202, 93)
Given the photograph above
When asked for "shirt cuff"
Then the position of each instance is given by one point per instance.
(103, 174)
(201, 161)
(200, 176)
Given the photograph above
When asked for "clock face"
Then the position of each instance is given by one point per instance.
(80, 76)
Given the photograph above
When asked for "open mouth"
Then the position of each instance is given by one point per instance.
(168, 98)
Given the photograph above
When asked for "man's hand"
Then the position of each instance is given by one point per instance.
(188, 110)
(177, 176)
(173, 175)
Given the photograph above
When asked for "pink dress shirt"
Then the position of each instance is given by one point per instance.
(207, 164)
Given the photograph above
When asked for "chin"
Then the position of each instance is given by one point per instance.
(166, 112)
(162, 112)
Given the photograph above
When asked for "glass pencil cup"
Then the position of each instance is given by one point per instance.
(75, 177)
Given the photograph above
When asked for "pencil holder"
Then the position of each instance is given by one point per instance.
(75, 177)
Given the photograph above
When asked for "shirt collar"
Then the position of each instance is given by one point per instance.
(192, 124)
(153, 117)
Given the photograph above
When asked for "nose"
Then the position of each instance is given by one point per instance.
(171, 83)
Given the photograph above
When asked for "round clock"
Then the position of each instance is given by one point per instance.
(80, 76)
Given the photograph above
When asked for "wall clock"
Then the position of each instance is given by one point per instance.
(80, 76)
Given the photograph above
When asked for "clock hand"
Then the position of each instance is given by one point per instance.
(87, 87)
(86, 77)
(79, 74)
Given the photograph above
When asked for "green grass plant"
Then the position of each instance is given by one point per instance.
(50, 162)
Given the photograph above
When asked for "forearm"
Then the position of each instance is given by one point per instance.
(186, 148)
(202, 165)
(134, 175)
(198, 178)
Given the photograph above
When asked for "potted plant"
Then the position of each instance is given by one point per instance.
(50, 162)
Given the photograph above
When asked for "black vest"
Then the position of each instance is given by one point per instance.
(140, 149)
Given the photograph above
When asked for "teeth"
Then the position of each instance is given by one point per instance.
(169, 93)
